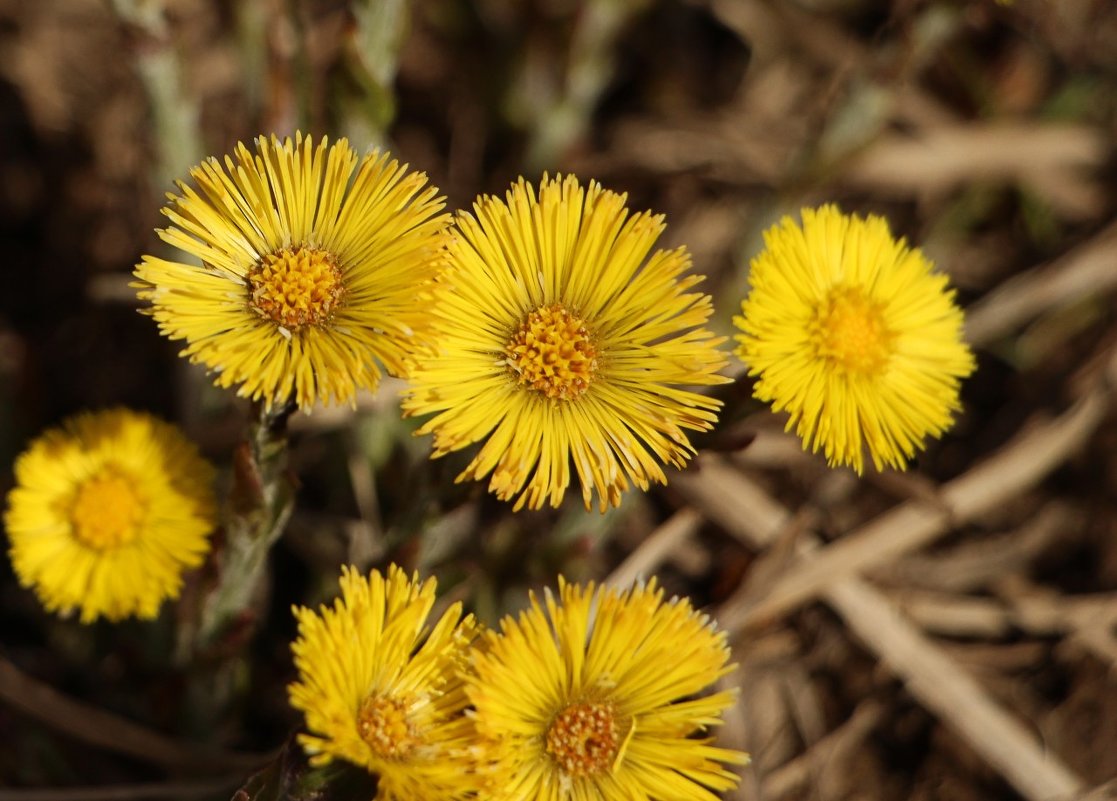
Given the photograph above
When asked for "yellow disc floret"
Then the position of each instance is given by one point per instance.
(552, 352)
(296, 286)
(384, 725)
(107, 512)
(851, 332)
(583, 740)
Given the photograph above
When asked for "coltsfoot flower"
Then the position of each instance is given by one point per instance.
(564, 342)
(382, 690)
(851, 332)
(316, 269)
(599, 695)
(107, 512)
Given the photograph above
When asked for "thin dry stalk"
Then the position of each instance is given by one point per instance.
(797, 776)
(1086, 270)
(650, 554)
(1088, 620)
(913, 524)
(971, 565)
(102, 729)
(940, 158)
(128, 792)
(952, 694)
(931, 676)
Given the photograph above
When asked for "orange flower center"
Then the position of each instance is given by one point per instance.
(296, 286)
(552, 352)
(107, 511)
(584, 739)
(384, 725)
(850, 330)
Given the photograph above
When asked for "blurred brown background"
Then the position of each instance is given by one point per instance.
(878, 623)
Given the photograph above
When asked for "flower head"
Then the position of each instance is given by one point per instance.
(107, 512)
(316, 268)
(600, 696)
(382, 690)
(563, 341)
(851, 333)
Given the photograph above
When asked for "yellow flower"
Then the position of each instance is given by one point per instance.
(851, 333)
(600, 697)
(107, 512)
(563, 341)
(315, 269)
(381, 692)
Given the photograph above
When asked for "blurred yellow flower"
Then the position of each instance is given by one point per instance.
(316, 269)
(107, 512)
(599, 697)
(562, 340)
(852, 333)
(382, 690)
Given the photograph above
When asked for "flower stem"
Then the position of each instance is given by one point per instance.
(261, 500)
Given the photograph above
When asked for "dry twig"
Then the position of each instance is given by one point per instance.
(1086, 270)
(104, 730)
(652, 551)
(931, 676)
(913, 524)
